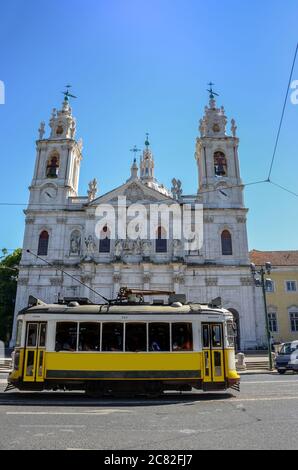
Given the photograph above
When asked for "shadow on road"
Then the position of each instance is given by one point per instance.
(80, 399)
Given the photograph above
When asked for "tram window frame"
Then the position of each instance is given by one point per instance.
(205, 344)
(215, 343)
(42, 344)
(19, 333)
(231, 334)
(155, 342)
(136, 335)
(72, 347)
(98, 335)
(112, 348)
(190, 339)
(33, 344)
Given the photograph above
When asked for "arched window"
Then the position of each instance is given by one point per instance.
(43, 243)
(105, 242)
(53, 166)
(220, 164)
(161, 241)
(226, 243)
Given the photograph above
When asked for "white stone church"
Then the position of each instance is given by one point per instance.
(61, 228)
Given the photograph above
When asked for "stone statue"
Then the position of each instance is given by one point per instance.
(92, 191)
(80, 144)
(90, 247)
(75, 243)
(176, 188)
(202, 127)
(118, 248)
(73, 129)
(233, 127)
(177, 247)
(146, 248)
(41, 130)
(137, 246)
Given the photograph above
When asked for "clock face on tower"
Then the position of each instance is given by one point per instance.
(224, 193)
(49, 194)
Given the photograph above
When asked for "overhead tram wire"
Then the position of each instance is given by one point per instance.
(67, 274)
(242, 185)
(282, 114)
(268, 180)
(283, 188)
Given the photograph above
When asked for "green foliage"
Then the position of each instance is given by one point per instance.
(8, 286)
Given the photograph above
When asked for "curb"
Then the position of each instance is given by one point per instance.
(256, 372)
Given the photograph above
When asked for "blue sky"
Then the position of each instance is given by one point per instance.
(142, 66)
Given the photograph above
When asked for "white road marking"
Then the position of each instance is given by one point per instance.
(271, 382)
(52, 426)
(87, 413)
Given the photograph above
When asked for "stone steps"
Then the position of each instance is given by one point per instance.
(257, 365)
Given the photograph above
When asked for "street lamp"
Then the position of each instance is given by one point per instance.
(262, 282)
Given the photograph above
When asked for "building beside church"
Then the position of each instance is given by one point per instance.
(282, 292)
(61, 227)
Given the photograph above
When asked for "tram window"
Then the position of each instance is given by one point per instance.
(182, 337)
(206, 340)
(135, 337)
(19, 333)
(231, 333)
(159, 337)
(30, 363)
(42, 335)
(112, 337)
(216, 336)
(32, 335)
(89, 337)
(66, 336)
(217, 364)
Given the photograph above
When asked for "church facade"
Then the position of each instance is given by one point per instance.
(63, 228)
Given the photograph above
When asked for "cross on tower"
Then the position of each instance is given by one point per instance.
(66, 93)
(211, 92)
(135, 149)
(147, 143)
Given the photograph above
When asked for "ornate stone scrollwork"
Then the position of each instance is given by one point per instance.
(208, 219)
(56, 281)
(147, 277)
(246, 281)
(211, 281)
(117, 278)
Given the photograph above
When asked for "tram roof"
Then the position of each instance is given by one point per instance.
(104, 309)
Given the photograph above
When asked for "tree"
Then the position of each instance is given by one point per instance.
(9, 265)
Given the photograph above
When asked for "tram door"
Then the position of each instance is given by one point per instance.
(213, 353)
(35, 352)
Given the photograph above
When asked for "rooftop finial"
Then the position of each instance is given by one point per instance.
(66, 93)
(211, 92)
(135, 150)
(147, 143)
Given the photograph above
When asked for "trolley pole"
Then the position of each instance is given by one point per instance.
(263, 283)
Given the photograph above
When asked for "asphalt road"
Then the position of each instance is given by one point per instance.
(264, 415)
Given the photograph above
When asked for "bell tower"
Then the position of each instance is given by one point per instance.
(217, 159)
(58, 159)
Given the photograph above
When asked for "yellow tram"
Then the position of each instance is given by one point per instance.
(124, 346)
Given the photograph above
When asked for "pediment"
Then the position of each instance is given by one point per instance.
(135, 192)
